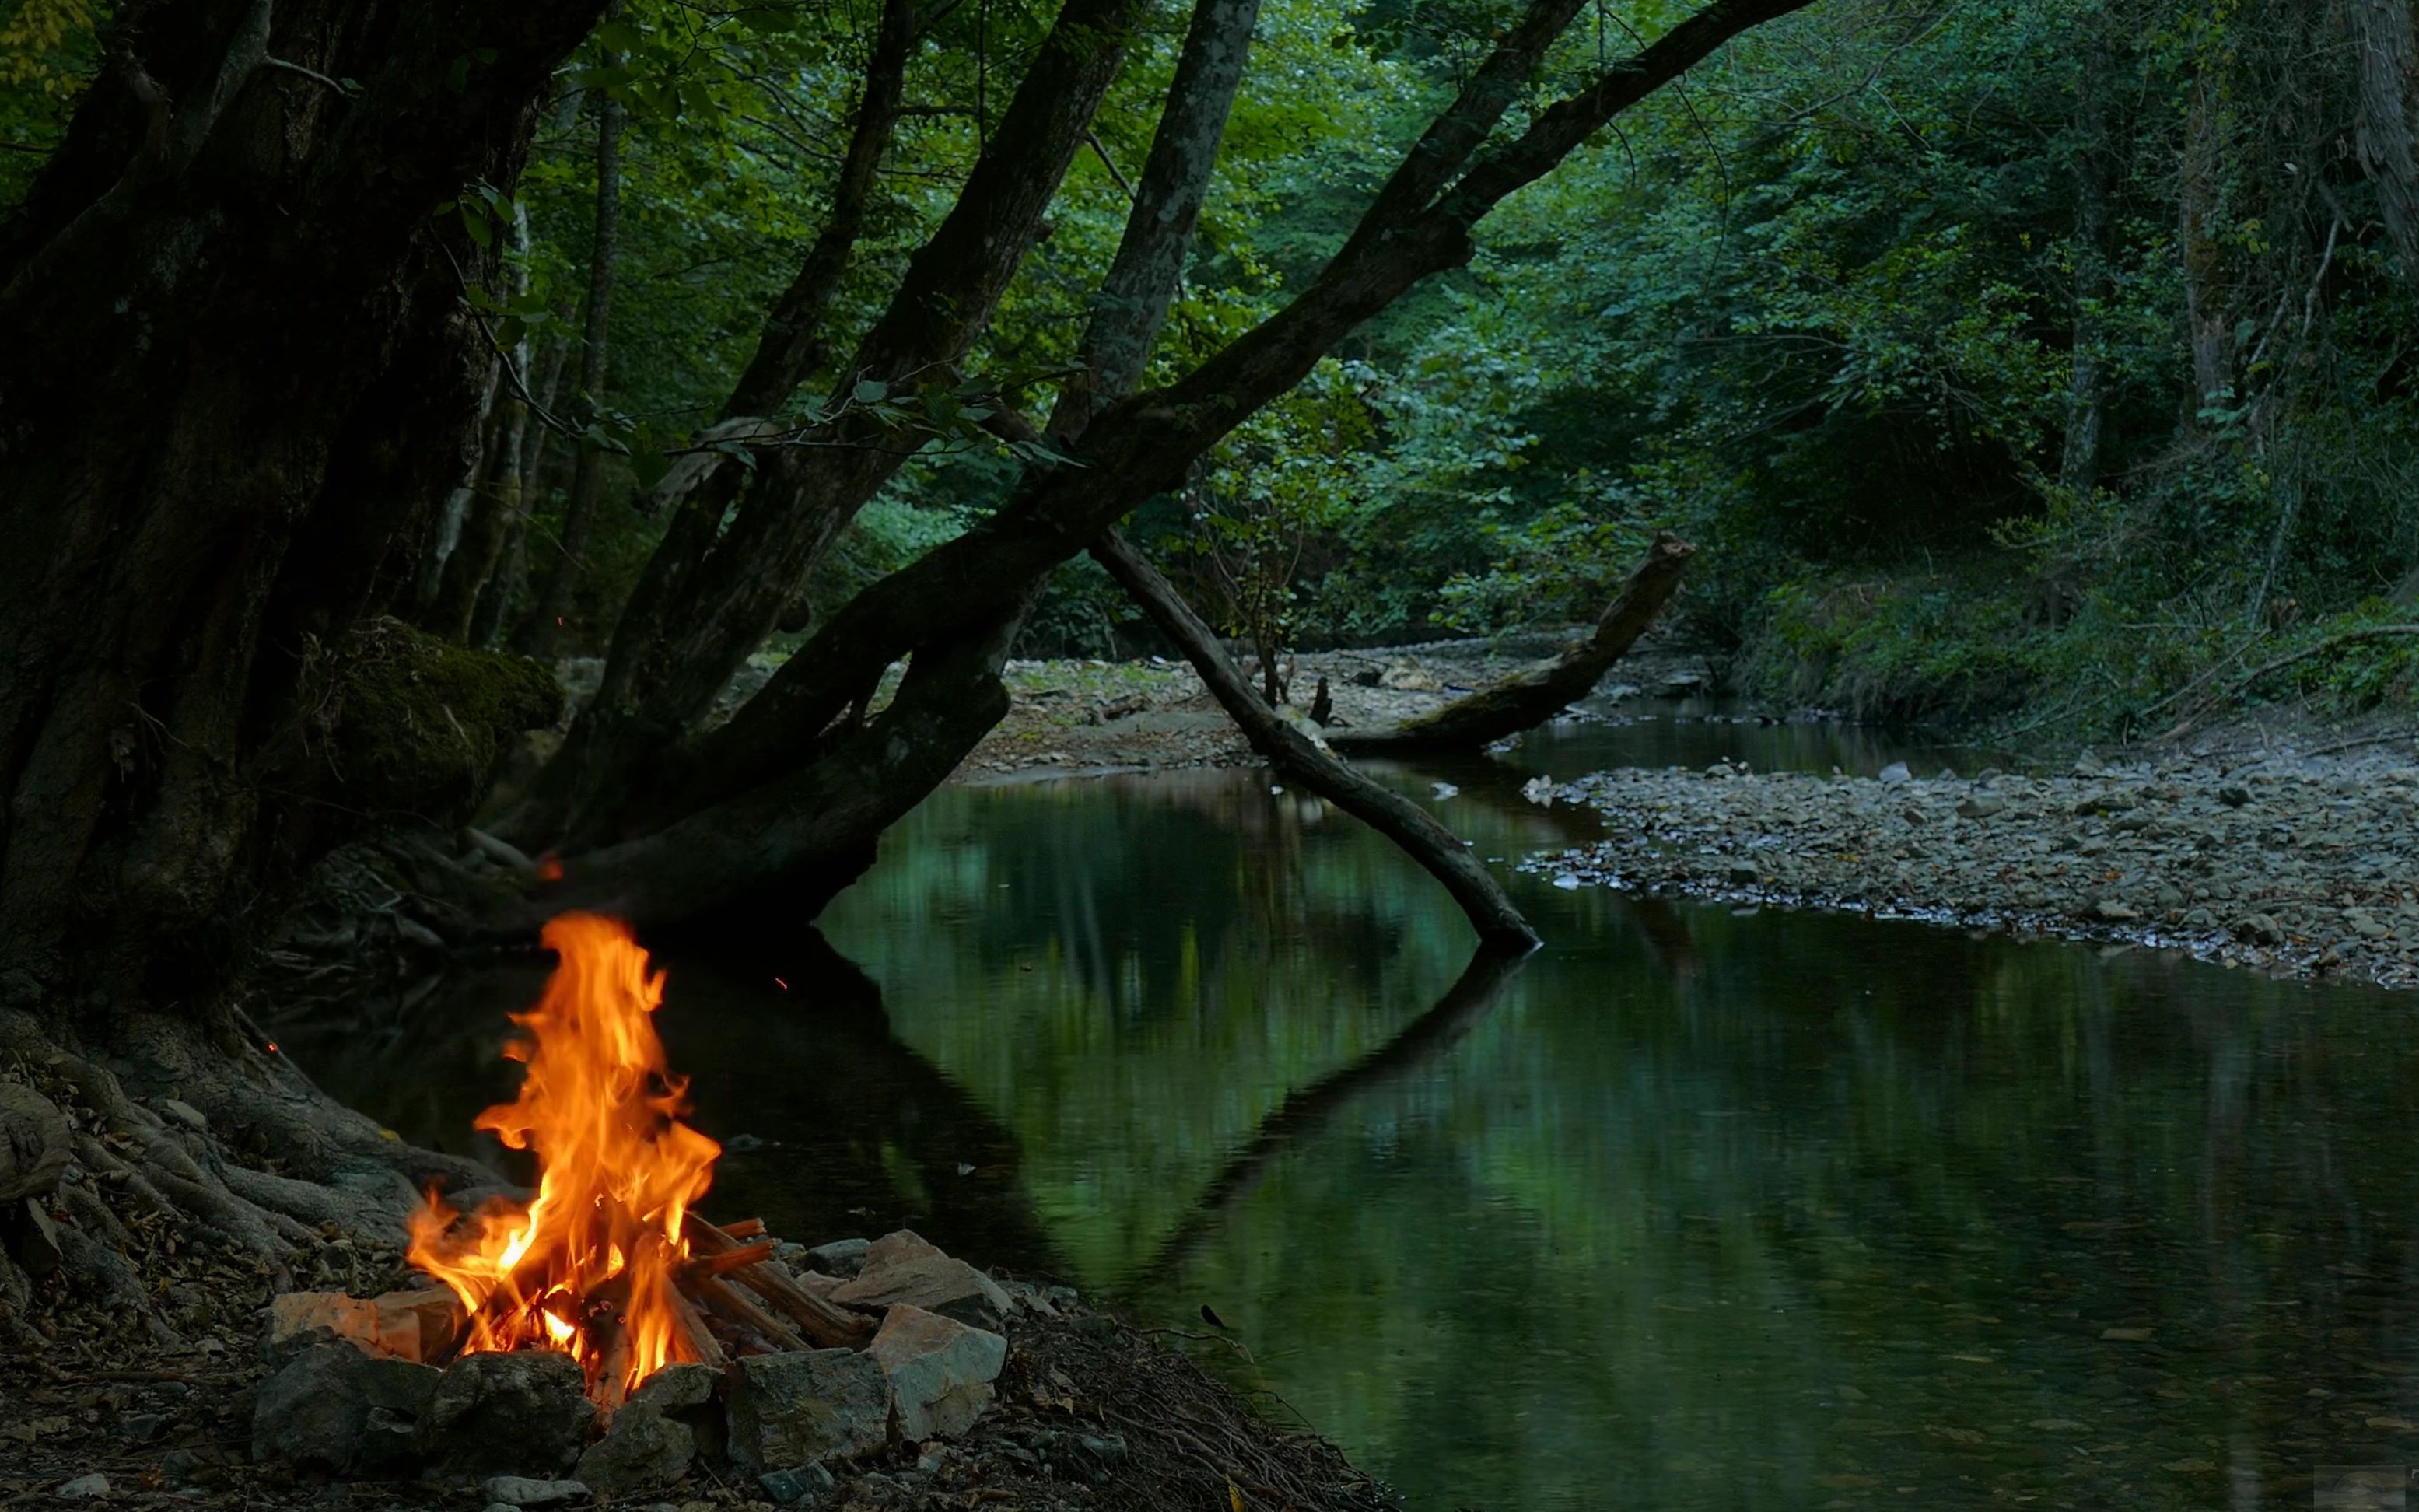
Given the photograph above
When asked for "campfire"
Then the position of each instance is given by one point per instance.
(610, 1263)
(601, 1324)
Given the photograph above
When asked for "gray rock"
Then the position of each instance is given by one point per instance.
(85, 1486)
(522, 1414)
(519, 1491)
(1742, 873)
(1896, 773)
(332, 1407)
(186, 1114)
(2110, 911)
(902, 1267)
(666, 1423)
(940, 1371)
(639, 1453)
(2199, 919)
(842, 1258)
(2260, 929)
(2234, 795)
(1981, 806)
(807, 1483)
(802, 1407)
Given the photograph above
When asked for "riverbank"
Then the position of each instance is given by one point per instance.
(2294, 866)
(1083, 718)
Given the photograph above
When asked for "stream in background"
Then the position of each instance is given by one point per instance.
(1696, 1208)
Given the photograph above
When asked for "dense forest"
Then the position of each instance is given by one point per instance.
(607, 473)
(2021, 360)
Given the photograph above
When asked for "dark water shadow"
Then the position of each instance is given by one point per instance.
(832, 1125)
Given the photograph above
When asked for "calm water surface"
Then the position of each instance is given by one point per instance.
(1692, 1210)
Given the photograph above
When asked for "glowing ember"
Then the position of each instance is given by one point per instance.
(590, 1268)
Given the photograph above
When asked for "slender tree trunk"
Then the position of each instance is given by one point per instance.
(2087, 396)
(546, 629)
(1530, 698)
(742, 789)
(2200, 200)
(2388, 138)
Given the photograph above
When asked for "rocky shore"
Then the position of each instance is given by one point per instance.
(2294, 867)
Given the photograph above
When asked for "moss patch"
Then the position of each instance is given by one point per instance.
(415, 723)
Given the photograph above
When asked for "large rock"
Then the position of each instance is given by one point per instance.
(35, 1143)
(903, 1268)
(940, 1371)
(509, 1414)
(799, 1408)
(668, 1421)
(332, 1407)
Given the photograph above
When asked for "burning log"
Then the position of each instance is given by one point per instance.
(727, 1302)
(711, 1265)
(692, 1328)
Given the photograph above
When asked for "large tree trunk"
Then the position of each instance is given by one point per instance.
(236, 378)
(717, 583)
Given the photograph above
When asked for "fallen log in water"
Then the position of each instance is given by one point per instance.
(1534, 695)
(1296, 751)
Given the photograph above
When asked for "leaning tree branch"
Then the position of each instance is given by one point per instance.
(1294, 751)
(1144, 445)
(1532, 697)
(717, 585)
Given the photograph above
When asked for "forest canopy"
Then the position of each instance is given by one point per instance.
(1968, 337)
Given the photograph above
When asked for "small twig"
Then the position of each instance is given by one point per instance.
(512, 370)
(2342, 746)
(337, 84)
(1092, 140)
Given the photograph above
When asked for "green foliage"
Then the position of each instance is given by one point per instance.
(48, 52)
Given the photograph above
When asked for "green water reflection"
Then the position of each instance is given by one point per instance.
(1690, 1210)
(1694, 1210)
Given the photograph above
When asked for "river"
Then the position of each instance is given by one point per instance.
(1694, 1209)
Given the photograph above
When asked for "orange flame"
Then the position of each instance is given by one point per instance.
(588, 1269)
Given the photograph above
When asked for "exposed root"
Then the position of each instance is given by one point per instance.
(227, 1163)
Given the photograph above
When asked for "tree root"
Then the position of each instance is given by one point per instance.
(228, 1148)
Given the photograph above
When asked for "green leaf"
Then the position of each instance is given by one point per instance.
(650, 464)
(871, 391)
